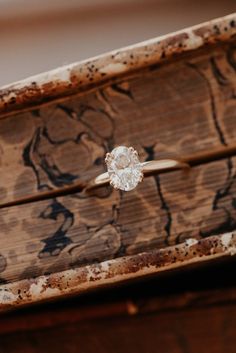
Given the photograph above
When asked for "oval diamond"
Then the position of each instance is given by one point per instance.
(124, 168)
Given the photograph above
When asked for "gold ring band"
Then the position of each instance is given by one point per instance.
(125, 171)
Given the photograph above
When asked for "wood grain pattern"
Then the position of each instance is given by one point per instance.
(75, 230)
(183, 108)
(57, 285)
(174, 331)
(89, 74)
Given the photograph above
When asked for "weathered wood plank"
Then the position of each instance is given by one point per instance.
(107, 273)
(81, 76)
(184, 108)
(185, 289)
(76, 230)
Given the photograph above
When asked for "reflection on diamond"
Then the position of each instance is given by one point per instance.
(124, 168)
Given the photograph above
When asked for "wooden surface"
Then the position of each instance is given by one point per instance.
(55, 235)
(188, 334)
(174, 98)
(60, 144)
(184, 108)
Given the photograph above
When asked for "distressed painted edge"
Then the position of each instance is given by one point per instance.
(84, 75)
(79, 280)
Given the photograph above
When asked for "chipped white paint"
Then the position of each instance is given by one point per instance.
(61, 75)
(90, 273)
(51, 292)
(36, 288)
(193, 41)
(75, 77)
(226, 239)
(113, 271)
(64, 75)
(40, 288)
(7, 297)
(191, 241)
(104, 269)
(115, 68)
(105, 266)
(12, 95)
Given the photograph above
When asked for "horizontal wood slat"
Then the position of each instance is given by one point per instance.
(184, 108)
(76, 230)
(88, 74)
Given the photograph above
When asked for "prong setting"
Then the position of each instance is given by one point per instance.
(108, 157)
(141, 178)
(124, 168)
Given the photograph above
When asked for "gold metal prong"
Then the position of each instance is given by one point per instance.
(113, 185)
(141, 178)
(131, 149)
(108, 157)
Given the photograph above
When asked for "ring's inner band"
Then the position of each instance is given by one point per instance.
(147, 168)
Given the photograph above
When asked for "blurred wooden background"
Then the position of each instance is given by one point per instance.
(40, 35)
(176, 313)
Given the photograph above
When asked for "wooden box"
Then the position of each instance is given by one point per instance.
(173, 96)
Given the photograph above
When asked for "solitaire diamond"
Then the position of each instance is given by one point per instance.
(124, 168)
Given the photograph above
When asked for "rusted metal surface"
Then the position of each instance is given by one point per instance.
(109, 272)
(85, 75)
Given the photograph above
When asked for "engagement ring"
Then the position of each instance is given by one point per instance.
(125, 171)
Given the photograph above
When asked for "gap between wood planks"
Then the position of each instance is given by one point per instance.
(79, 186)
